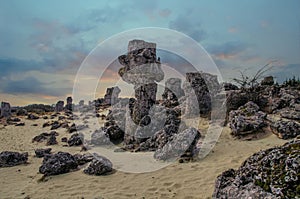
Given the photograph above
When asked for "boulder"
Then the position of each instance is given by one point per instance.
(58, 163)
(271, 173)
(10, 158)
(76, 139)
(182, 144)
(99, 166)
(69, 105)
(112, 95)
(285, 129)
(247, 120)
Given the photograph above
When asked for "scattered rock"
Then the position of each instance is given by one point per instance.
(64, 139)
(76, 139)
(51, 140)
(32, 117)
(58, 163)
(99, 166)
(10, 158)
(20, 124)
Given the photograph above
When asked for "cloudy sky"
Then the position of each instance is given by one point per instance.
(43, 43)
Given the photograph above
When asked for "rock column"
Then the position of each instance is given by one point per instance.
(5, 109)
(142, 69)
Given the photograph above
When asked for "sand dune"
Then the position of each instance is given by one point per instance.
(187, 180)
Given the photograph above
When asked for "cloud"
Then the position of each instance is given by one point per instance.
(192, 28)
(31, 85)
(228, 50)
(11, 65)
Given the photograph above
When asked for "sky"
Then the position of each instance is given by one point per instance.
(43, 43)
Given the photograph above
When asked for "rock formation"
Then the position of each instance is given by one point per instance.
(143, 70)
(59, 106)
(112, 95)
(69, 105)
(272, 173)
(40, 153)
(5, 109)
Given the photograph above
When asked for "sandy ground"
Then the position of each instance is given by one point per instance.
(187, 180)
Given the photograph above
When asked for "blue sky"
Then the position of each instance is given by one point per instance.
(44, 42)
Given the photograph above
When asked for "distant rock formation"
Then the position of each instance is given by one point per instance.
(269, 80)
(59, 106)
(69, 105)
(112, 95)
(5, 109)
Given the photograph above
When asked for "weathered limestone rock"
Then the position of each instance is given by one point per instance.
(99, 166)
(59, 106)
(272, 173)
(143, 70)
(69, 105)
(112, 95)
(182, 144)
(285, 129)
(10, 158)
(5, 109)
(247, 120)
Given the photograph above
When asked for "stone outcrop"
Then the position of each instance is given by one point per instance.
(285, 129)
(99, 166)
(247, 120)
(112, 95)
(142, 69)
(58, 163)
(69, 105)
(5, 110)
(10, 158)
(272, 173)
(59, 107)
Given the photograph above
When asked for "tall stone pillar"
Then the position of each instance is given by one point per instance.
(142, 69)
